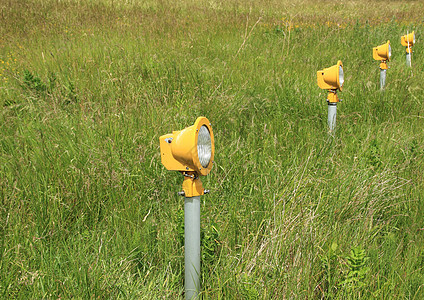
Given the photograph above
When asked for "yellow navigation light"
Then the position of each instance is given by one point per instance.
(189, 150)
(331, 78)
(382, 52)
(408, 40)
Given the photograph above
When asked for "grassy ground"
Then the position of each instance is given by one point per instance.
(87, 210)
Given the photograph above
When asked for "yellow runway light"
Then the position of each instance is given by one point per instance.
(331, 78)
(189, 150)
(382, 52)
(408, 40)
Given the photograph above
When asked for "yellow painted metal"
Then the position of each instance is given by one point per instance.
(408, 40)
(179, 149)
(328, 79)
(167, 158)
(381, 52)
(332, 96)
(192, 186)
(383, 65)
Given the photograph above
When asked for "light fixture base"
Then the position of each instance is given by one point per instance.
(332, 97)
(192, 185)
(383, 65)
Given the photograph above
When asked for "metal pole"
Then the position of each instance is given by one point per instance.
(408, 60)
(192, 246)
(332, 113)
(382, 78)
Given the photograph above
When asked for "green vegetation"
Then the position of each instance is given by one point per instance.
(87, 88)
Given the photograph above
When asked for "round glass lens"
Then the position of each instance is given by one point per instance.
(204, 146)
(414, 38)
(390, 51)
(341, 76)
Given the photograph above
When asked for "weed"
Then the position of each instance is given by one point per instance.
(71, 95)
(180, 226)
(357, 270)
(374, 156)
(33, 82)
(330, 275)
(210, 245)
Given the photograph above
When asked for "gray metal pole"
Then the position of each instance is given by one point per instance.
(382, 78)
(408, 60)
(192, 246)
(332, 113)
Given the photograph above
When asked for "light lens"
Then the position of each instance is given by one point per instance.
(390, 51)
(341, 76)
(414, 38)
(204, 146)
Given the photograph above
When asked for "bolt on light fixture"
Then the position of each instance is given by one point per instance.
(190, 151)
(382, 53)
(408, 41)
(331, 79)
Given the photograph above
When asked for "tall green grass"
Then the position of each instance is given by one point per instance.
(87, 88)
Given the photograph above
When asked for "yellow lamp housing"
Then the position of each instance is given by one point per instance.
(331, 78)
(382, 52)
(191, 149)
(408, 40)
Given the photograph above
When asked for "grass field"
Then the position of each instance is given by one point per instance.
(87, 209)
